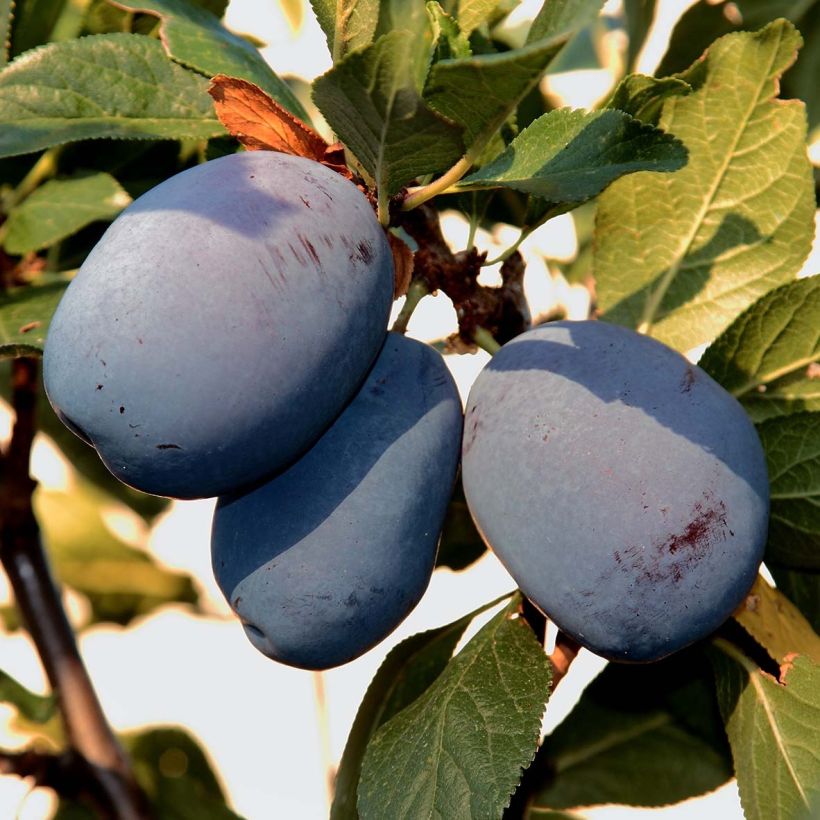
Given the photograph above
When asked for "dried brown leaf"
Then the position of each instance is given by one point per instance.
(402, 265)
(260, 123)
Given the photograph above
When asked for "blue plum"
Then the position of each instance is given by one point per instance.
(625, 491)
(221, 323)
(323, 561)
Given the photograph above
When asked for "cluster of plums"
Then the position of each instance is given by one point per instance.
(227, 336)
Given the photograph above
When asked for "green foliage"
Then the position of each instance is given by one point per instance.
(802, 588)
(482, 91)
(109, 85)
(705, 251)
(768, 356)
(176, 775)
(405, 674)
(33, 707)
(371, 103)
(6, 16)
(571, 156)
(792, 445)
(194, 37)
(774, 732)
(679, 255)
(34, 23)
(119, 581)
(25, 314)
(638, 736)
(493, 692)
(347, 24)
(60, 208)
(704, 21)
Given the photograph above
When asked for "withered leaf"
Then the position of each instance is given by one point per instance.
(402, 265)
(259, 122)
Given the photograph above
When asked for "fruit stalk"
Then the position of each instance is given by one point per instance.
(26, 565)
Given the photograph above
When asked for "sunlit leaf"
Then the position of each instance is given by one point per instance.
(777, 624)
(774, 731)
(25, 314)
(372, 104)
(60, 208)
(768, 357)
(570, 156)
(681, 255)
(492, 693)
(407, 671)
(119, 580)
(482, 91)
(108, 85)
(196, 38)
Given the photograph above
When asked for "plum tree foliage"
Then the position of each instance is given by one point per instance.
(227, 335)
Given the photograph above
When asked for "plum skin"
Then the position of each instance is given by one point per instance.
(623, 489)
(221, 323)
(324, 560)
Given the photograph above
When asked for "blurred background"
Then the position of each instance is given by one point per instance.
(274, 734)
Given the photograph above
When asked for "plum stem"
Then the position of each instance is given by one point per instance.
(43, 169)
(484, 339)
(418, 196)
(565, 652)
(415, 293)
(21, 551)
(323, 721)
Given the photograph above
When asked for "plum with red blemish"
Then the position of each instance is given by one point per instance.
(324, 560)
(625, 491)
(221, 323)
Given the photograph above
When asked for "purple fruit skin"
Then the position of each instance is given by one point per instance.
(625, 491)
(325, 560)
(221, 323)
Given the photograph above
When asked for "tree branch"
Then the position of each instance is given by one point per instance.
(24, 560)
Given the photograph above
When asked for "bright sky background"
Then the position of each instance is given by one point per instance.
(259, 720)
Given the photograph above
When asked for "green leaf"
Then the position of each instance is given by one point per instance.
(34, 22)
(630, 740)
(774, 732)
(642, 97)
(196, 38)
(33, 707)
(639, 15)
(558, 17)
(120, 581)
(777, 624)
(681, 255)
(347, 24)
(174, 772)
(60, 208)
(571, 156)
(704, 21)
(177, 775)
(802, 588)
(108, 85)
(768, 356)
(6, 16)
(368, 102)
(450, 41)
(458, 750)
(473, 13)
(408, 670)
(25, 314)
(792, 445)
(482, 91)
